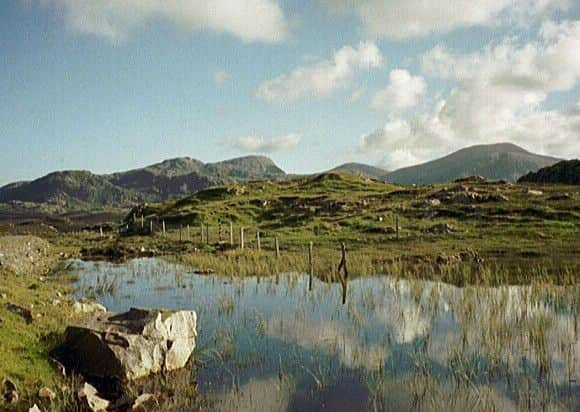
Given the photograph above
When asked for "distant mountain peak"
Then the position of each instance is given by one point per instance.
(493, 161)
(360, 169)
(503, 147)
(177, 166)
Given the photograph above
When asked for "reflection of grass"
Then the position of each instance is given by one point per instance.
(369, 262)
(415, 344)
(104, 286)
(226, 305)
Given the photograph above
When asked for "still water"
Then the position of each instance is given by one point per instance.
(270, 344)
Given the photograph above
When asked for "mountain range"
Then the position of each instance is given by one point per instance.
(168, 179)
(174, 178)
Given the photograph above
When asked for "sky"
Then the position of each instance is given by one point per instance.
(111, 85)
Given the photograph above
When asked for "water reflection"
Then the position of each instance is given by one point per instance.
(271, 344)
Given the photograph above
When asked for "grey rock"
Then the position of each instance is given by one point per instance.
(144, 403)
(447, 260)
(130, 345)
(46, 393)
(88, 307)
(34, 408)
(433, 202)
(534, 192)
(88, 394)
(440, 229)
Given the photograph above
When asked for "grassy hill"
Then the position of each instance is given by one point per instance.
(566, 172)
(499, 220)
(496, 161)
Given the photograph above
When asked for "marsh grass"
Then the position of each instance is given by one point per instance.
(243, 263)
(436, 346)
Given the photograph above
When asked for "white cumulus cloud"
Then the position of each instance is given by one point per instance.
(249, 20)
(414, 18)
(403, 92)
(254, 144)
(323, 78)
(499, 96)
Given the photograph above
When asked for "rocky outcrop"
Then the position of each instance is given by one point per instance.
(465, 195)
(130, 345)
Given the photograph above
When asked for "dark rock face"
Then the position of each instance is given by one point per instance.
(566, 172)
(130, 345)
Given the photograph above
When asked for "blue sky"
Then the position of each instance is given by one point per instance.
(118, 84)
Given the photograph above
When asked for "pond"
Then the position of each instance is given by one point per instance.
(272, 344)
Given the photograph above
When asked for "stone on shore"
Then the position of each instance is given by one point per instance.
(88, 394)
(130, 345)
(88, 307)
(144, 403)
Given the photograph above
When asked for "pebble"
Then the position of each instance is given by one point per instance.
(46, 393)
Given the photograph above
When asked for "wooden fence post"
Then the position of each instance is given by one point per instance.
(311, 264)
(151, 226)
(163, 225)
(259, 244)
(142, 222)
(201, 232)
(342, 266)
(277, 245)
(241, 237)
(231, 233)
(188, 232)
(101, 231)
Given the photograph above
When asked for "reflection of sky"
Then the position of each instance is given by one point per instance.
(261, 328)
